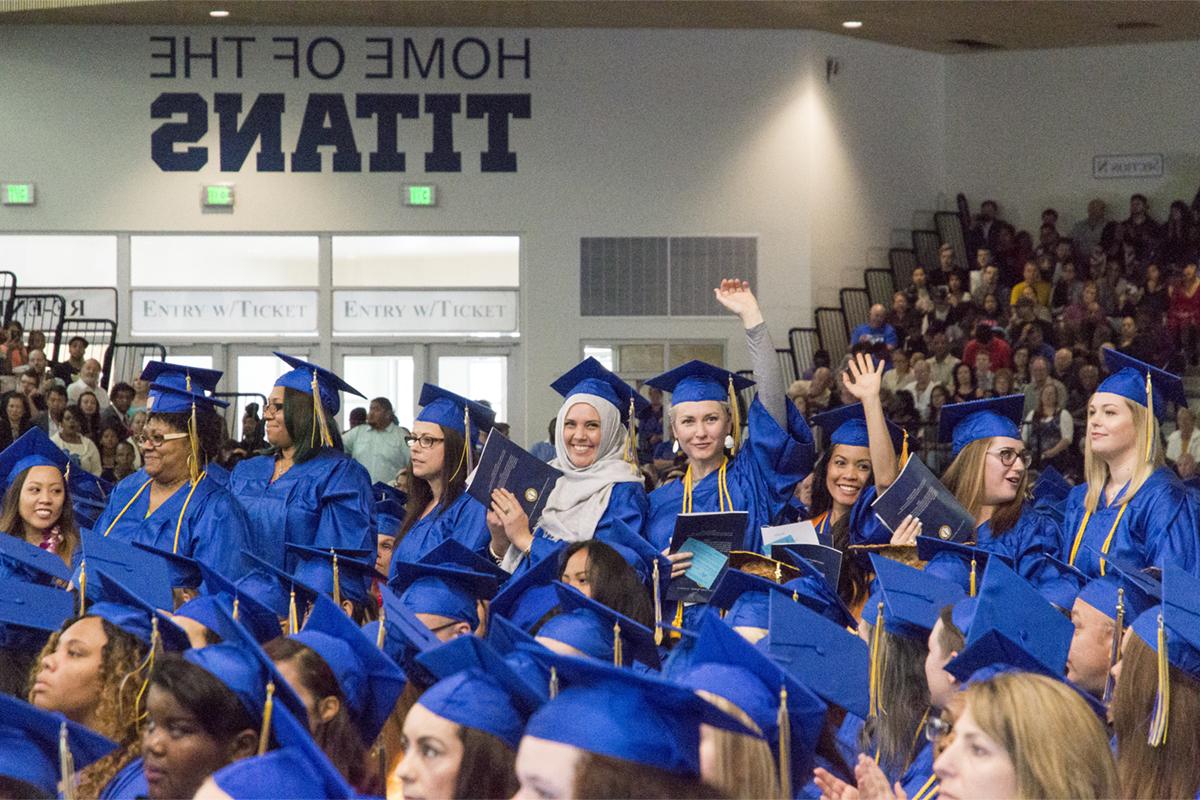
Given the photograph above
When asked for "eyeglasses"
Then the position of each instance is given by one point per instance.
(271, 409)
(157, 439)
(426, 441)
(1008, 456)
(937, 728)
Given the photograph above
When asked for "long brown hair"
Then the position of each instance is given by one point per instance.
(903, 701)
(1095, 470)
(11, 522)
(965, 477)
(744, 764)
(454, 481)
(1168, 770)
(120, 658)
(600, 777)
(488, 769)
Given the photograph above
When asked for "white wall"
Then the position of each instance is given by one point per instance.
(1022, 127)
(633, 133)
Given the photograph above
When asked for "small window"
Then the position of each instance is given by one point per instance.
(223, 261)
(60, 261)
(426, 261)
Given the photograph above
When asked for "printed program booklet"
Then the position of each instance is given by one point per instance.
(918, 492)
(504, 464)
(708, 537)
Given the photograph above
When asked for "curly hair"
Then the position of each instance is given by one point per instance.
(121, 657)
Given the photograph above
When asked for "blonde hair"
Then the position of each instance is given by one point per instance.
(1056, 743)
(745, 767)
(965, 478)
(1095, 470)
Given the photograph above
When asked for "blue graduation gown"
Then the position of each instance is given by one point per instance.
(919, 782)
(464, 520)
(128, 784)
(1035, 534)
(214, 529)
(1159, 527)
(760, 478)
(324, 502)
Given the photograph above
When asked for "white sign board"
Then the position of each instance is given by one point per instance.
(1137, 165)
(87, 303)
(415, 312)
(223, 313)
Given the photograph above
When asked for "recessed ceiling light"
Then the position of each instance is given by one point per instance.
(852, 23)
(218, 13)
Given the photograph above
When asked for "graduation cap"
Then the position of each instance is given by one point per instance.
(30, 613)
(181, 376)
(370, 681)
(277, 589)
(399, 634)
(219, 592)
(696, 381)
(32, 449)
(451, 552)
(478, 689)
(389, 508)
(848, 425)
(166, 398)
(1059, 582)
(337, 572)
(526, 598)
(443, 407)
(756, 563)
(24, 561)
(908, 599)
(1172, 631)
(626, 715)
(590, 377)
(41, 748)
(963, 423)
(598, 631)
(956, 562)
(788, 714)
(1139, 588)
(822, 655)
(126, 608)
(184, 570)
(141, 571)
(1140, 382)
(448, 590)
(1051, 485)
(320, 382)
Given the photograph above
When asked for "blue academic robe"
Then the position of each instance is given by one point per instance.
(1159, 527)
(128, 784)
(918, 781)
(760, 478)
(464, 520)
(214, 528)
(324, 502)
(1035, 534)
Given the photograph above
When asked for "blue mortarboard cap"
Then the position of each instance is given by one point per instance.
(626, 715)
(445, 408)
(168, 399)
(848, 425)
(29, 745)
(963, 423)
(448, 590)
(1051, 485)
(385, 491)
(697, 380)
(1141, 588)
(526, 598)
(32, 449)
(814, 590)
(300, 378)
(822, 655)
(389, 508)
(911, 599)
(963, 614)
(273, 586)
(219, 592)
(143, 573)
(590, 627)
(1180, 618)
(951, 561)
(20, 559)
(477, 688)
(725, 664)
(745, 596)
(590, 377)
(315, 568)
(403, 636)
(30, 613)
(1013, 626)
(241, 672)
(453, 553)
(371, 682)
(184, 570)
(181, 376)
(1127, 377)
(124, 607)
(1059, 582)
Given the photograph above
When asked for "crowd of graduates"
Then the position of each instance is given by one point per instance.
(287, 629)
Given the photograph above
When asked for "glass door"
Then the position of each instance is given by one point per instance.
(379, 372)
(250, 373)
(475, 372)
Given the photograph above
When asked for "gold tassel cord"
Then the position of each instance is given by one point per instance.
(785, 745)
(655, 581)
(264, 733)
(876, 704)
(235, 608)
(1162, 698)
(337, 583)
(186, 502)
(631, 443)
(618, 654)
(904, 449)
(148, 666)
(1114, 652)
(381, 635)
(553, 689)
(193, 432)
(66, 763)
(1151, 431)
(320, 422)
(972, 581)
(293, 617)
(82, 585)
(736, 414)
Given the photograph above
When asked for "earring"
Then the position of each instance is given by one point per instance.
(729, 441)
(675, 446)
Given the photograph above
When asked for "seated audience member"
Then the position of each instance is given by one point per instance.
(986, 340)
(904, 318)
(1067, 289)
(899, 376)
(876, 329)
(1183, 448)
(89, 381)
(120, 398)
(1032, 279)
(1086, 233)
(1039, 377)
(71, 439)
(918, 294)
(941, 361)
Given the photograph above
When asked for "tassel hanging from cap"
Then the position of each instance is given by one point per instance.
(1152, 424)
(381, 634)
(193, 432)
(1162, 697)
(320, 422)
(293, 617)
(236, 608)
(618, 654)
(904, 449)
(148, 666)
(876, 702)
(631, 442)
(972, 581)
(264, 733)
(735, 413)
(779, 572)
(656, 582)
(337, 583)
(553, 688)
(785, 745)
(82, 585)
(66, 763)
(1114, 652)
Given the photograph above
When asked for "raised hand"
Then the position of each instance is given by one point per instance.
(735, 294)
(867, 376)
(907, 531)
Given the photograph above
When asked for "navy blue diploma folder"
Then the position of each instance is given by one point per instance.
(503, 464)
(918, 492)
(717, 532)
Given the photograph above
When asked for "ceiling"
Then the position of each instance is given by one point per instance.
(942, 26)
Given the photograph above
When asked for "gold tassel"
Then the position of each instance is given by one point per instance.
(320, 423)
(553, 682)
(235, 607)
(82, 585)
(778, 572)
(631, 445)
(337, 583)
(736, 414)
(1114, 652)
(264, 733)
(1151, 431)
(904, 449)
(972, 594)
(66, 763)
(293, 617)
(382, 634)
(148, 665)
(658, 631)
(785, 745)
(468, 445)
(1162, 698)
(194, 443)
(795, 596)
(618, 655)
(876, 705)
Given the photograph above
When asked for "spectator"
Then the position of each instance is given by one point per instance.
(89, 381)
(125, 463)
(1183, 449)
(900, 375)
(68, 371)
(903, 412)
(16, 420)
(964, 385)
(921, 387)
(379, 444)
(1086, 233)
(904, 318)
(1140, 227)
(1047, 240)
(1024, 312)
(1064, 367)
(1131, 342)
(81, 449)
(141, 395)
(32, 391)
(14, 351)
(820, 359)
(941, 362)
(1067, 289)
(650, 426)
(546, 452)
(917, 294)
(1032, 279)
(982, 373)
(112, 434)
(820, 389)
(1039, 378)
(118, 410)
(89, 407)
(1020, 365)
(985, 233)
(1177, 235)
(1049, 431)
(1078, 398)
(1002, 383)
(136, 424)
(1032, 337)
(253, 438)
(51, 419)
(1156, 297)
(986, 339)
(990, 313)
(989, 284)
(1011, 252)
(1063, 254)
(1183, 315)
(41, 368)
(945, 265)
(876, 329)
(358, 416)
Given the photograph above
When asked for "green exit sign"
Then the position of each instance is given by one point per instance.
(218, 196)
(17, 194)
(420, 194)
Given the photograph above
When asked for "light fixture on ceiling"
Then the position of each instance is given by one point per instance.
(852, 24)
(218, 13)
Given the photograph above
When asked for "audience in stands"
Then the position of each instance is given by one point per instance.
(876, 329)
(89, 381)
